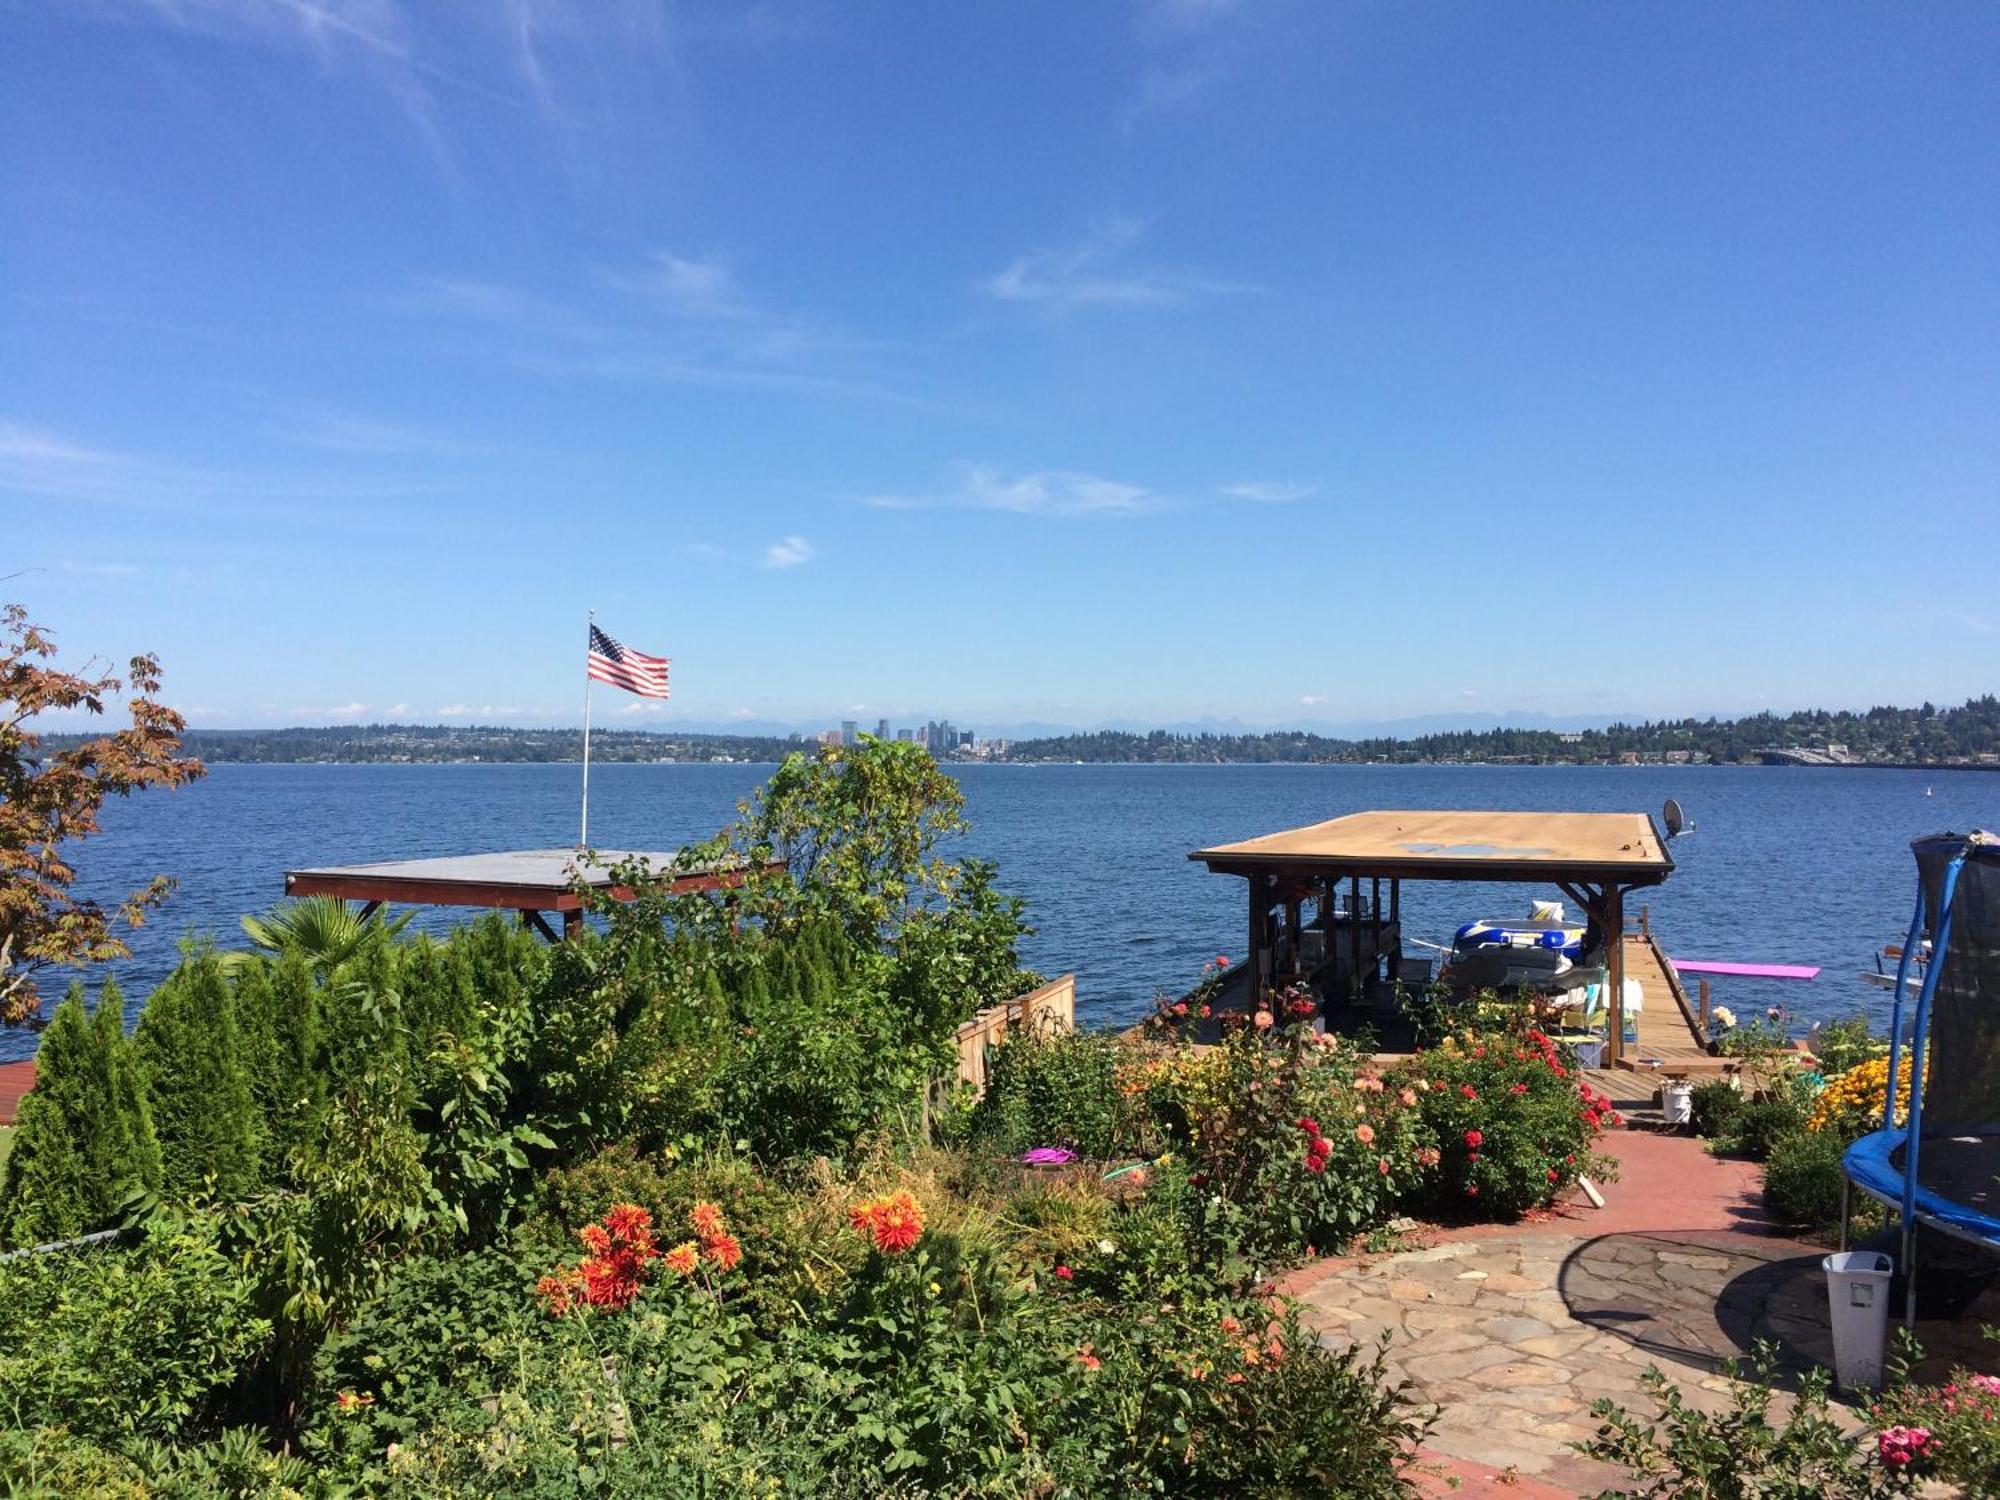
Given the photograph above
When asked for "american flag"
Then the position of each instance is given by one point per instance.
(625, 668)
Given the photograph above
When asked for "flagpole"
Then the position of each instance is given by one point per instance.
(583, 832)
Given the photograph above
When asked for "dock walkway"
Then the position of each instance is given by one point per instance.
(1670, 1041)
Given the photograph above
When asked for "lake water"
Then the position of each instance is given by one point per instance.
(1787, 865)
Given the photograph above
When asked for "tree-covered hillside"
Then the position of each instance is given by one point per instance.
(1926, 734)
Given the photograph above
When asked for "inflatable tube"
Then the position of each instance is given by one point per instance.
(1563, 937)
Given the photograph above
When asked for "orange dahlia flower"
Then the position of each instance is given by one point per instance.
(895, 1223)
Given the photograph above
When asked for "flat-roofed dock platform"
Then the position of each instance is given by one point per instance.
(529, 881)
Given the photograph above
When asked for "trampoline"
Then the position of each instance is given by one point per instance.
(1940, 1168)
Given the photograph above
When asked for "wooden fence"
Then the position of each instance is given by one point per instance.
(1053, 1004)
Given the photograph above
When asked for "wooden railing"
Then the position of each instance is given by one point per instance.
(1054, 1004)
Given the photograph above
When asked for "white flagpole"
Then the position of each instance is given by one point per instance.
(583, 832)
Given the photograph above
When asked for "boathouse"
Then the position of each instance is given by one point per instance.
(1309, 913)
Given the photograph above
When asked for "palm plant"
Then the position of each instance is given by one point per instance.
(326, 932)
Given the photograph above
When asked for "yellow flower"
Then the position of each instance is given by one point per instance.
(1853, 1097)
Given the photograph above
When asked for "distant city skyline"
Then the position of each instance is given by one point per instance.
(1144, 363)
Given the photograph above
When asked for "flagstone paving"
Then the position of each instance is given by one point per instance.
(1513, 1331)
(1514, 1339)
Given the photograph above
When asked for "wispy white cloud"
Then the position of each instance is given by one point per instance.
(98, 569)
(330, 712)
(696, 325)
(1268, 492)
(1190, 13)
(1189, 49)
(788, 552)
(333, 430)
(1315, 700)
(51, 467)
(493, 713)
(509, 308)
(1097, 271)
(375, 38)
(1059, 493)
(696, 288)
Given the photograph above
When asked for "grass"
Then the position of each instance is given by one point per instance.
(6, 1144)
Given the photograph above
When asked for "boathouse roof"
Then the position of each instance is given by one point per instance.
(1616, 848)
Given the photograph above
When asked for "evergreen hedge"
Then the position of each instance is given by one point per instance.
(84, 1142)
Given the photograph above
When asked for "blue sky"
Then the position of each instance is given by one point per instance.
(1272, 361)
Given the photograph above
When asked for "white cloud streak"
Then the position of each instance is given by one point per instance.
(788, 552)
(1061, 494)
(49, 467)
(1268, 492)
(1094, 271)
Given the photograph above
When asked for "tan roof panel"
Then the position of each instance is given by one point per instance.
(1461, 845)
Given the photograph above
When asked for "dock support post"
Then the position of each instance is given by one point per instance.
(1614, 970)
(1253, 957)
(1704, 1008)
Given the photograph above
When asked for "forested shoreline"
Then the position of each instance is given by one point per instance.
(1922, 736)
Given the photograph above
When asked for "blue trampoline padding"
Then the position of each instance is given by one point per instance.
(1870, 1166)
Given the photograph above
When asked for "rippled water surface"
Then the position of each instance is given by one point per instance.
(1785, 865)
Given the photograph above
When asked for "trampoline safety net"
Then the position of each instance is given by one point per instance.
(1960, 1155)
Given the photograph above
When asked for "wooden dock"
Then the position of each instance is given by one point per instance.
(1671, 1043)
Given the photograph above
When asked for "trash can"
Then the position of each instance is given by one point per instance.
(1857, 1289)
(1677, 1102)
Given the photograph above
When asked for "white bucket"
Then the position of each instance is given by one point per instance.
(1857, 1288)
(1677, 1103)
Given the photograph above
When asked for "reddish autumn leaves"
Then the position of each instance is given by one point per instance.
(50, 801)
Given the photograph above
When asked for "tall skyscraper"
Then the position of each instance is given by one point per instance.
(849, 732)
(881, 729)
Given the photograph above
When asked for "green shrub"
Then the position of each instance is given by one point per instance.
(85, 1139)
(198, 1084)
(1840, 1045)
(1511, 1126)
(1803, 1181)
(1743, 1453)
(123, 1344)
(1052, 1087)
(1714, 1108)
(1295, 1143)
(1761, 1124)
(946, 1370)
(1956, 1435)
(50, 1463)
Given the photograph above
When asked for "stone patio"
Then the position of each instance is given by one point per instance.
(1514, 1339)
(1513, 1331)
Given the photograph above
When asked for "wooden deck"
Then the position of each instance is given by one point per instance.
(1670, 1041)
(16, 1078)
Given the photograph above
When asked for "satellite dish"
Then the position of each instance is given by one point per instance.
(1676, 820)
